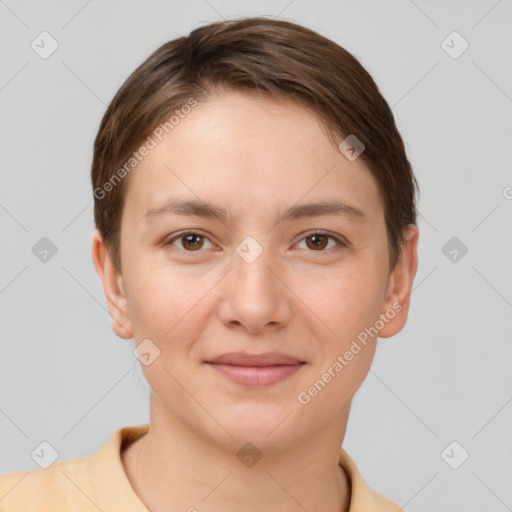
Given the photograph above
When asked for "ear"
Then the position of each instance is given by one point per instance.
(396, 305)
(113, 288)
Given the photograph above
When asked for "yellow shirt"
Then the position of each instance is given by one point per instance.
(98, 482)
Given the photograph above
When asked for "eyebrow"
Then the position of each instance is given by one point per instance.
(208, 210)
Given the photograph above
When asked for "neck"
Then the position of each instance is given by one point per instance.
(173, 468)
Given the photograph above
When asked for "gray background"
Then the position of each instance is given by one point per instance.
(64, 375)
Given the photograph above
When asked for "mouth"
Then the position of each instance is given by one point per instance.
(256, 369)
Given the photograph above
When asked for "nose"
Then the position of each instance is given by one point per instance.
(255, 296)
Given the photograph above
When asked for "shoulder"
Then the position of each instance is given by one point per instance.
(89, 483)
(50, 489)
(363, 498)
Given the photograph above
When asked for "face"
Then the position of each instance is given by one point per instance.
(267, 272)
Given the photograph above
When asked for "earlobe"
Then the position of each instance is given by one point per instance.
(113, 288)
(396, 306)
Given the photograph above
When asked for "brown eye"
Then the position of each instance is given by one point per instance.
(318, 241)
(193, 241)
(189, 242)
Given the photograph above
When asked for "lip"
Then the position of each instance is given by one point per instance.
(256, 369)
(264, 359)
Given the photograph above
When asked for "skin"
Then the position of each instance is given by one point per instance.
(255, 157)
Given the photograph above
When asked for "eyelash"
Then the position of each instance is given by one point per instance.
(340, 242)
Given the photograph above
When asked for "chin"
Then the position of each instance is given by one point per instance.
(266, 426)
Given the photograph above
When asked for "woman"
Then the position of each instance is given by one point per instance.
(256, 234)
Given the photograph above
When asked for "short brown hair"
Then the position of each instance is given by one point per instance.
(273, 57)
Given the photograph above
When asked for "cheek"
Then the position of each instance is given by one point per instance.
(169, 303)
(348, 300)
(348, 305)
(169, 308)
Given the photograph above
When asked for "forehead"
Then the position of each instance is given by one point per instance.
(241, 148)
